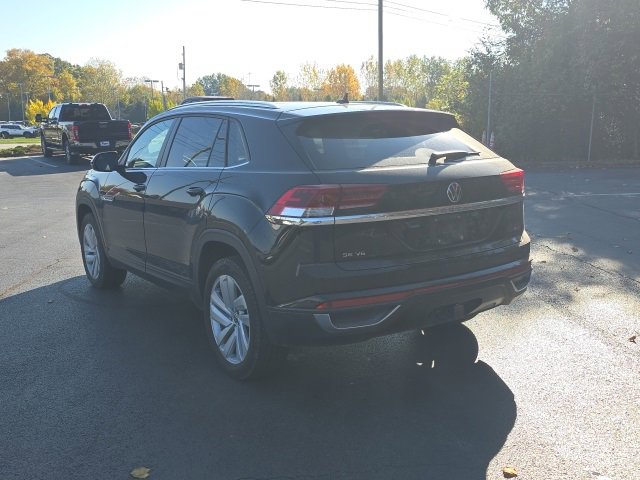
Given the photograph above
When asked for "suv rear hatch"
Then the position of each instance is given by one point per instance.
(402, 186)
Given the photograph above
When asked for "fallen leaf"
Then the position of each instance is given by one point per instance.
(509, 472)
(543, 261)
(574, 249)
(140, 472)
(633, 339)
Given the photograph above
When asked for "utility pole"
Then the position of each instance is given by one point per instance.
(489, 109)
(164, 100)
(380, 62)
(593, 115)
(182, 67)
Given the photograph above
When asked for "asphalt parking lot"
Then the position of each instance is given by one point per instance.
(97, 383)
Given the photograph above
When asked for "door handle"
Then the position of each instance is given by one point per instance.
(195, 191)
(139, 187)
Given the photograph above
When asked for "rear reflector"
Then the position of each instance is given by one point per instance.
(513, 180)
(325, 200)
(400, 296)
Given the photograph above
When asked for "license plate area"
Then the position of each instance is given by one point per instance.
(443, 231)
(105, 143)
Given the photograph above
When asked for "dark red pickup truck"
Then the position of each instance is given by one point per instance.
(82, 129)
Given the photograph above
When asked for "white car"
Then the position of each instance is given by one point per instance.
(8, 130)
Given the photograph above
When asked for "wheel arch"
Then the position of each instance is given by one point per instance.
(214, 245)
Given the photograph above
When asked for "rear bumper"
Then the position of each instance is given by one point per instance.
(384, 311)
(87, 148)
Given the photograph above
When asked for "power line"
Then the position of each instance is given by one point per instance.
(442, 14)
(335, 7)
(310, 6)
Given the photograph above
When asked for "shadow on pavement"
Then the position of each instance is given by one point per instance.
(38, 165)
(96, 383)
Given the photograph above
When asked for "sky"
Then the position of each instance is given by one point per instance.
(249, 40)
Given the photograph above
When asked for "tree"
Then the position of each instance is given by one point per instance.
(369, 74)
(560, 58)
(101, 82)
(279, 86)
(451, 92)
(37, 106)
(309, 82)
(25, 71)
(340, 80)
(65, 88)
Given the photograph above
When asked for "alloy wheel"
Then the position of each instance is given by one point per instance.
(90, 250)
(229, 318)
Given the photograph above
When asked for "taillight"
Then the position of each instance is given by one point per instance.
(325, 200)
(513, 180)
(75, 133)
(129, 127)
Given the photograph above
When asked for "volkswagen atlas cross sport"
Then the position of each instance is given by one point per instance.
(307, 223)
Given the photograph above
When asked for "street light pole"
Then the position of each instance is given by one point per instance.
(22, 101)
(253, 87)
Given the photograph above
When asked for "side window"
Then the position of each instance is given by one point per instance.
(52, 113)
(237, 150)
(193, 142)
(146, 148)
(219, 152)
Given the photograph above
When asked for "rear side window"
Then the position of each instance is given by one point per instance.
(380, 139)
(237, 150)
(193, 143)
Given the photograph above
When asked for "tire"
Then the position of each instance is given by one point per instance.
(46, 152)
(70, 157)
(234, 324)
(99, 271)
(4, 135)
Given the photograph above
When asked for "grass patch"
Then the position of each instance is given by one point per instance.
(20, 151)
(20, 141)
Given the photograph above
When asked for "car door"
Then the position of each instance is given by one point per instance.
(50, 126)
(178, 194)
(123, 196)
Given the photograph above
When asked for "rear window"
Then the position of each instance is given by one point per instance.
(381, 139)
(79, 113)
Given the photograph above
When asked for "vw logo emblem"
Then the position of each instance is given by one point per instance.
(454, 192)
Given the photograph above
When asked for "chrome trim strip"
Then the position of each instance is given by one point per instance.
(324, 320)
(382, 217)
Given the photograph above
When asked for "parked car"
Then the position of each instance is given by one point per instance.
(80, 129)
(8, 130)
(307, 223)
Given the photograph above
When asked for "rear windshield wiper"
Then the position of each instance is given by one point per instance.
(451, 155)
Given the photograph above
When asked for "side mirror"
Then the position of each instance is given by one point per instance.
(38, 118)
(106, 162)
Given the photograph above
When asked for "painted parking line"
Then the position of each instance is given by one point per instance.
(603, 194)
(45, 163)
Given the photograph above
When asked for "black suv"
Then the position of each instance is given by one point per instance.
(308, 223)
